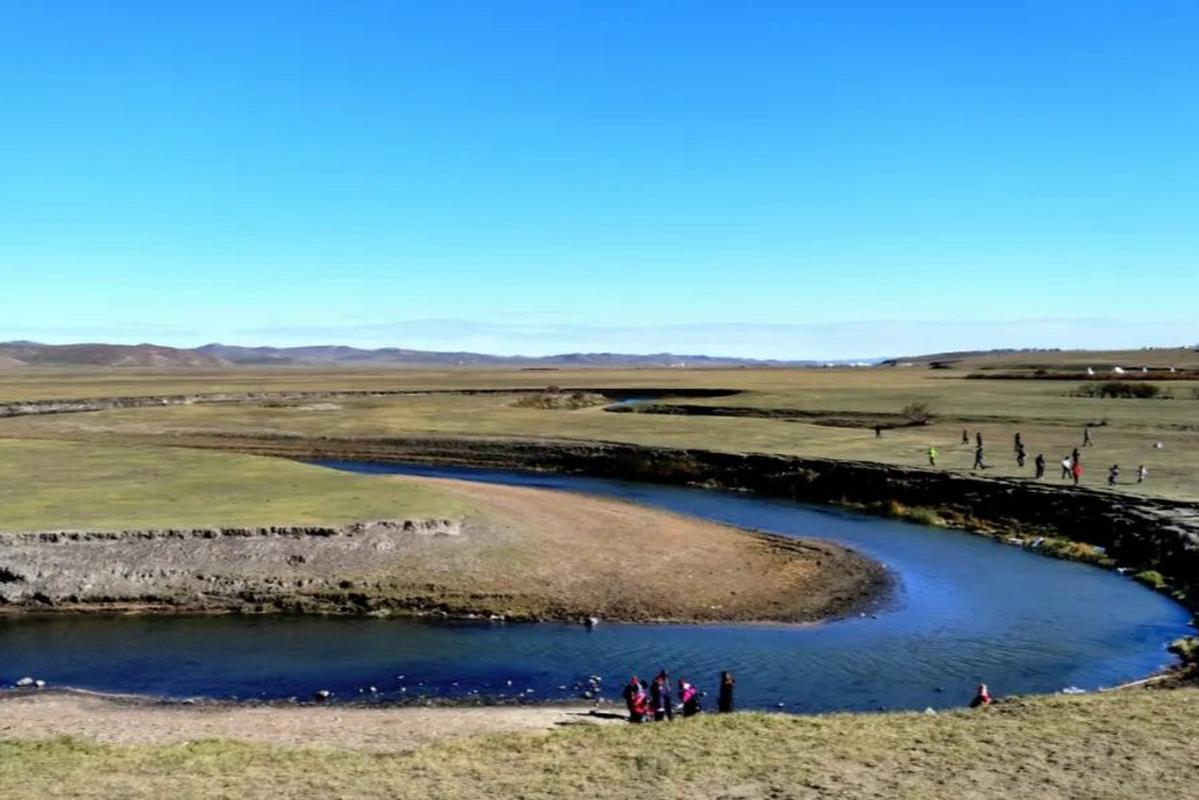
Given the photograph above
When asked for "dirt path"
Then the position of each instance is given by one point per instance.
(121, 720)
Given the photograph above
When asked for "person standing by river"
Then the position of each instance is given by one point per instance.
(1017, 444)
(660, 698)
(932, 456)
(724, 702)
(635, 700)
(689, 696)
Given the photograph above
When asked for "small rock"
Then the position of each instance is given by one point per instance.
(372, 690)
(39, 683)
(322, 694)
(26, 681)
(930, 711)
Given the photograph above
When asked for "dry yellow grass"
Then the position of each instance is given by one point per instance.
(1131, 745)
(1050, 420)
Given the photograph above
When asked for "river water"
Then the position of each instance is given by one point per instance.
(964, 609)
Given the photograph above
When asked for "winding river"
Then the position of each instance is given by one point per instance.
(965, 609)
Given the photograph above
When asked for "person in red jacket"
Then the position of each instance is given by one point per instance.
(639, 705)
(982, 697)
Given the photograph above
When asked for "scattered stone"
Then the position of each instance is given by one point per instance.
(26, 681)
(321, 695)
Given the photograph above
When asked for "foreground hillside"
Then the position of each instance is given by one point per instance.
(1138, 744)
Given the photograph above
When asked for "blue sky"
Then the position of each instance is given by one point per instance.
(784, 179)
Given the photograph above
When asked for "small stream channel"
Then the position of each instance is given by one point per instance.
(965, 609)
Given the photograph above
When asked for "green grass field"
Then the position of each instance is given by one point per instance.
(67, 485)
(1050, 419)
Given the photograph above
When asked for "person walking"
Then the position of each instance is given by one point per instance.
(1017, 445)
(1067, 467)
(1039, 463)
(1113, 475)
(1142, 474)
(878, 431)
(1086, 435)
(965, 436)
(978, 439)
(978, 458)
(1076, 472)
(724, 702)
(932, 456)
(1075, 456)
(1020, 454)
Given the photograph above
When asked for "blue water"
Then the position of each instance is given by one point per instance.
(964, 610)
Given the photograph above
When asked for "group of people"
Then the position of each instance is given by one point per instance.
(1071, 464)
(656, 701)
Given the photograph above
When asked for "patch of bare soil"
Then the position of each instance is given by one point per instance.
(120, 720)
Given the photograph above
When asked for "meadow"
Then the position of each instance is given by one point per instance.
(811, 412)
(1133, 744)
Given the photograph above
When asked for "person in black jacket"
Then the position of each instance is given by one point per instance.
(660, 699)
(724, 703)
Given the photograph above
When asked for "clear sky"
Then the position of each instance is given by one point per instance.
(786, 179)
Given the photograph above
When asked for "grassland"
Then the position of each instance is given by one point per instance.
(64, 485)
(1123, 745)
(805, 405)
(1138, 744)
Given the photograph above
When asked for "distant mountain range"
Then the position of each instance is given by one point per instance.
(22, 353)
